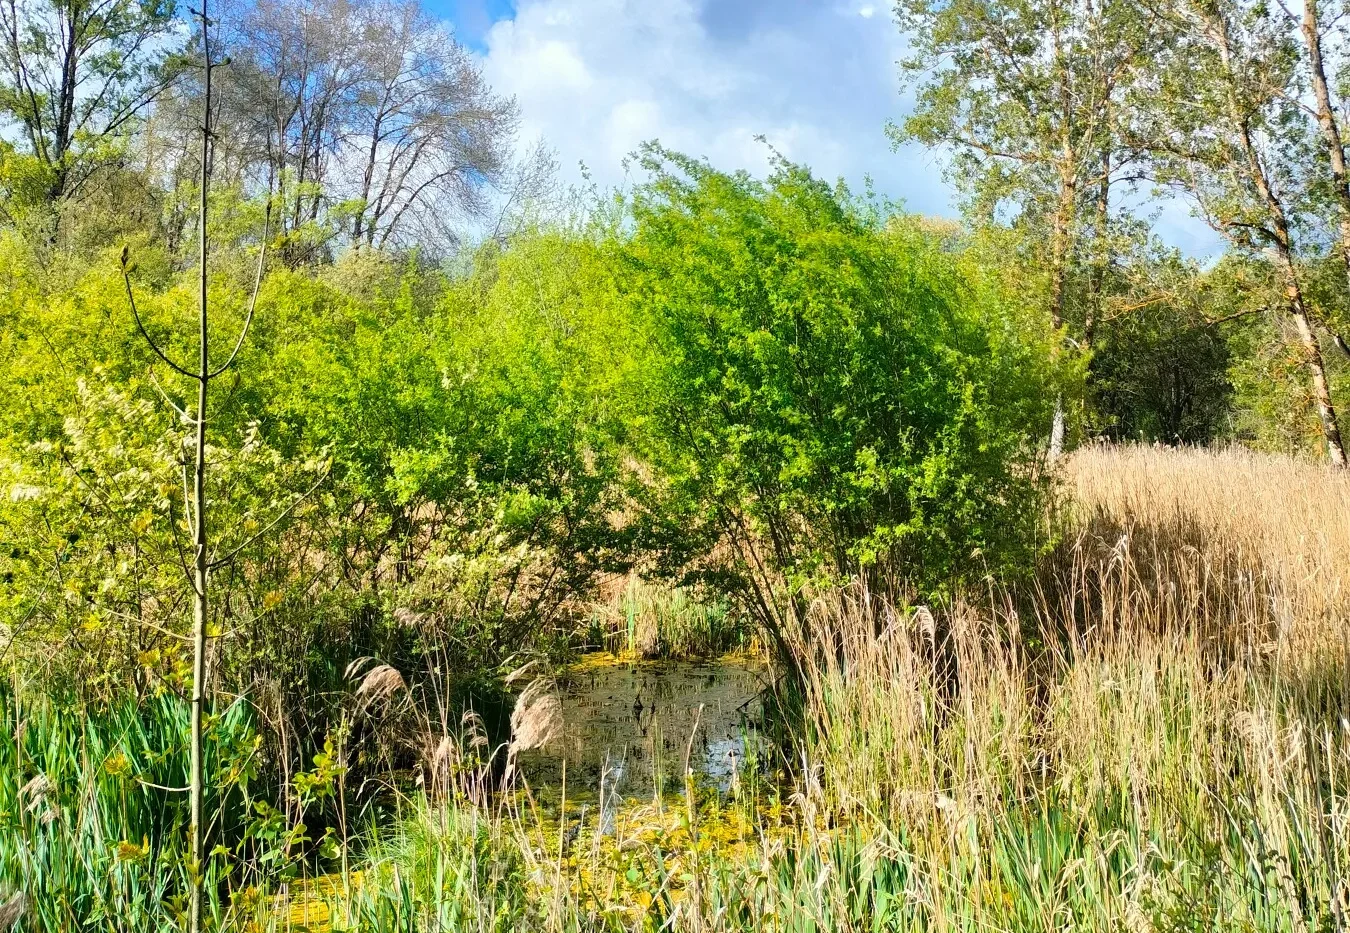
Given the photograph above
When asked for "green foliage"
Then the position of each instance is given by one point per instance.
(837, 395)
(1273, 405)
(1161, 354)
(25, 182)
(92, 818)
(1019, 89)
(1162, 376)
(95, 534)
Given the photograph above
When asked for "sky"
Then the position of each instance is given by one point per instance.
(817, 78)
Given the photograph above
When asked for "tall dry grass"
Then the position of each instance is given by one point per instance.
(1156, 737)
(1247, 547)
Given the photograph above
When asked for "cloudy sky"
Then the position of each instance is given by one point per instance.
(594, 78)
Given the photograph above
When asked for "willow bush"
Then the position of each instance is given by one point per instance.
(840, 394)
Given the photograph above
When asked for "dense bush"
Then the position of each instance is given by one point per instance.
(838, 394)
(760, 385)
(766, 380)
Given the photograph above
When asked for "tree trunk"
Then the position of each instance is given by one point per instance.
(65, 110)
(368, 176)
(196, 781)
(1059, 248)
(1326, 118)
(1312, 357)
(1102, 259)
(1331, 134)
(1284, 250)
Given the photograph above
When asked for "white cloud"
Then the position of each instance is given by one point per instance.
(818, 78)
(595, 78)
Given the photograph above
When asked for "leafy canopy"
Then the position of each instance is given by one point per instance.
(840, 395)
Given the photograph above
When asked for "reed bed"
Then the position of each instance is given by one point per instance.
(645, 619)
(1252, 549)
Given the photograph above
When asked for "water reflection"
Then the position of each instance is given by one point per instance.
(630, 727)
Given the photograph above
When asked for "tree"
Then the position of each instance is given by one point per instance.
(368, 115)
(1028, 94)
(77, 73)
(196, 510)
(433, 133)
(1223, 124)
(290, 90)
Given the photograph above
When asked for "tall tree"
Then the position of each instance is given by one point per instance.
(1026, 94)
(295, 73)
(1224, 123)
(430, 130)
(1314, 30)
(76, 73)
(369, 116)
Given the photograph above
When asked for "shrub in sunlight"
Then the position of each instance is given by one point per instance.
(838, 395)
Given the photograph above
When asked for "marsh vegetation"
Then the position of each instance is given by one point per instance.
(393, 540)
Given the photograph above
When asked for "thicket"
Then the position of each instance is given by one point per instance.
(758, 382)
(758, 386)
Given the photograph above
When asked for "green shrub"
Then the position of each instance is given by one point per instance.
(839, 395)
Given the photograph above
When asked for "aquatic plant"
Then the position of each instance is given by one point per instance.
(1118, 748)
(650, 620)
(93, 811)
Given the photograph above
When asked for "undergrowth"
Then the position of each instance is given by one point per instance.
(1156, 736)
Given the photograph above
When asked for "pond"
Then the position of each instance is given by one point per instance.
(629, 727)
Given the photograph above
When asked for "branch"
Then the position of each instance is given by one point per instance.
(153, 626)
(168, 401)
(221, 561)
(253, 301)
(1121, 312)
(126, 278)
(178, 535)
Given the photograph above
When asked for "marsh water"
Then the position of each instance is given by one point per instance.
(629, 727)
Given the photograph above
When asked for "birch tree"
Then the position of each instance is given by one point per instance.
(1223, 122)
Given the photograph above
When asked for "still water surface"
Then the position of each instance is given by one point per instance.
(628, 726)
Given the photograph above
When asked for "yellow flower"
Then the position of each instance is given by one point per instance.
(130, 852)
(117, 764)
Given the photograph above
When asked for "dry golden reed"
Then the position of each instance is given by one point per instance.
(1249, 547)
(1175, 688)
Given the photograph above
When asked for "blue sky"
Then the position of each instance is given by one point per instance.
(594, 78)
